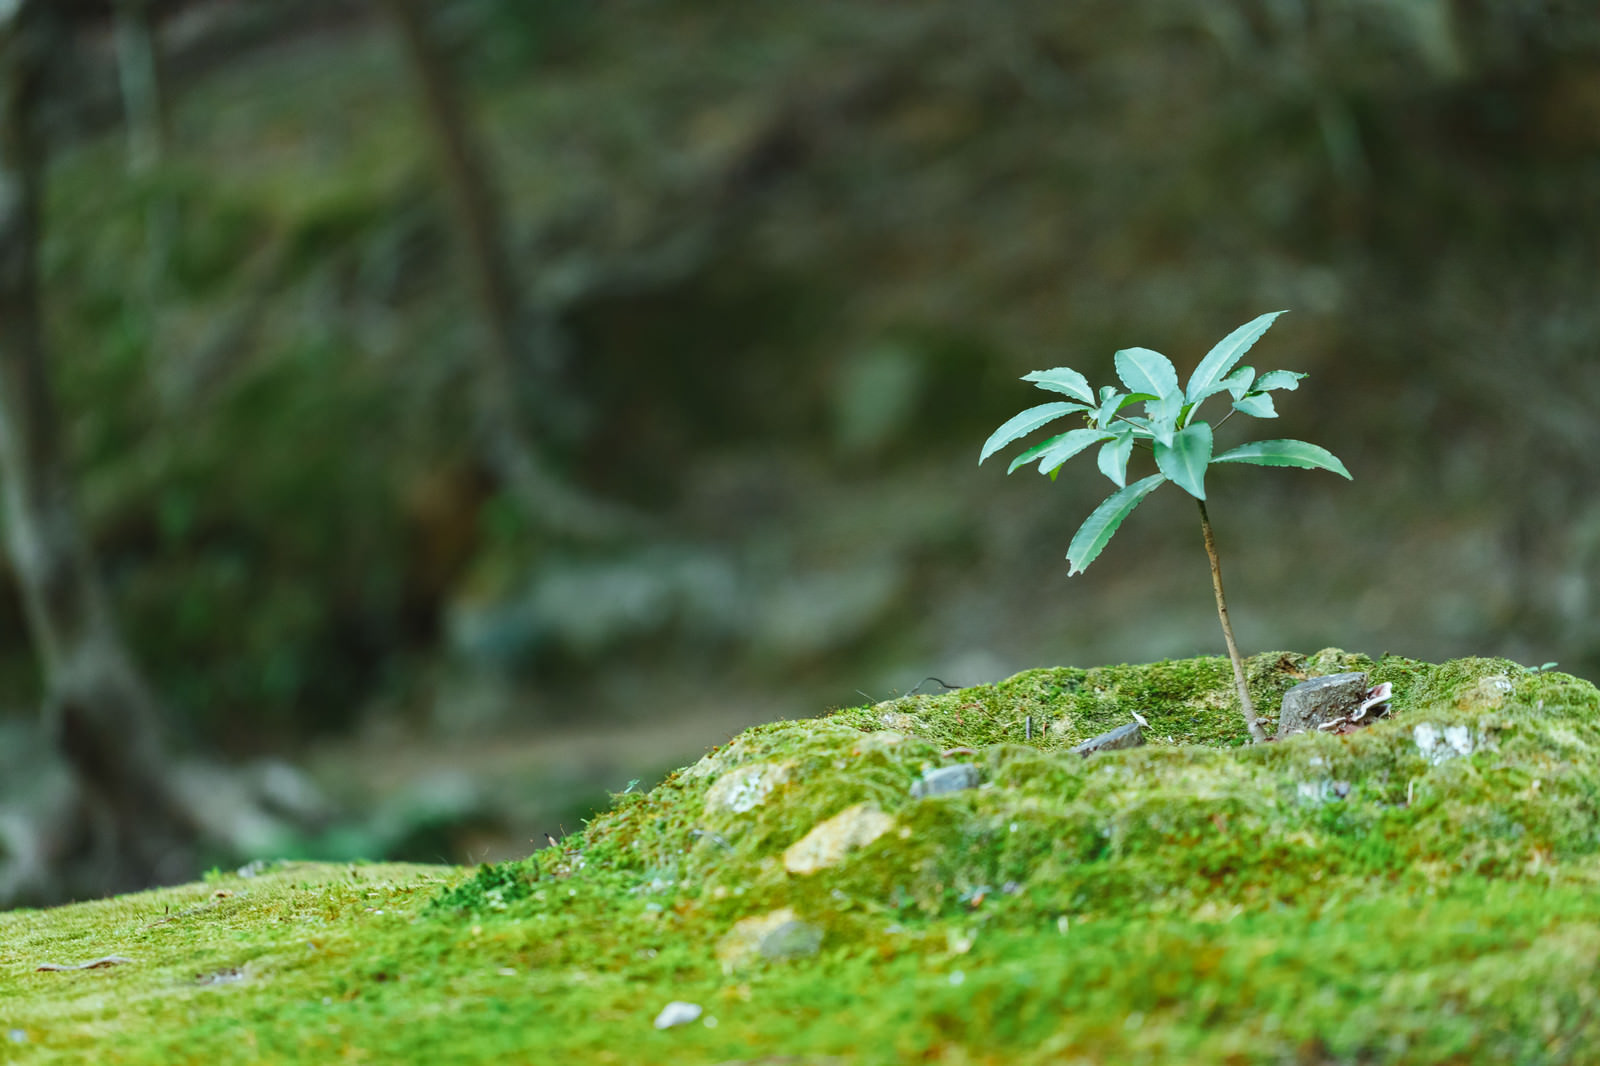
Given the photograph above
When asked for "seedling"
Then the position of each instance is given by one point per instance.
(1181, 442)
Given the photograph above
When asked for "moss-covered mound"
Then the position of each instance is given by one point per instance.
(1423, 890)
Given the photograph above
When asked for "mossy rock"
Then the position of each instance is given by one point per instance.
(1421, 890)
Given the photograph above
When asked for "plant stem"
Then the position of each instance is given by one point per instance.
(1257, 734)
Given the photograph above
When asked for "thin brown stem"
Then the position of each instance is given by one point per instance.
(1257, 734)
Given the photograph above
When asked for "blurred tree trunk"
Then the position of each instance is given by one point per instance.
(97, 709)
(142, 76)
(148, 114)
(524, 348)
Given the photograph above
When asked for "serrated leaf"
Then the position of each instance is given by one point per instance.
(1034, 452)
(1110, 403)
(1142, 427)
(1239, 381)
(1221, 358)
(1284, 453)
(1068, 445)
(1025, 422)
(1143, 370)
(1256, 405)
(1064, 380)
(1278, 379)
(1101, 525)
(1115, 402)
(1186, 458)
(1163, 413)
(1113, 459)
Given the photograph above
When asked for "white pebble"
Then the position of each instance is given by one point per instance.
(677, 1013)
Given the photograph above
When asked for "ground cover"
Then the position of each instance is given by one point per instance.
(1423, 890)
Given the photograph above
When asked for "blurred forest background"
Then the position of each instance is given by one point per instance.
(471, 407)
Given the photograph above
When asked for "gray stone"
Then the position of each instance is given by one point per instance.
(791, 940)
(775, 936)
(1321, 699)
(1124, 736)
(946, 779)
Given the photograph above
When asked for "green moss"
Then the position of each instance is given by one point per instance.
(1370, 897)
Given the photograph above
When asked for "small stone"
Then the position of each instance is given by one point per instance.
(1489, 693)
(677, 1013)
(1439, 745)
(946, 779)
(1124, 736)
(747, 787)
(899, 721)
(791, 940)
(1321, 699)
(17, 1036)
(779, 935)
(1325, 790)
(831, 841)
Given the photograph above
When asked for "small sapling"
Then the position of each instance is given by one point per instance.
(1168, 427)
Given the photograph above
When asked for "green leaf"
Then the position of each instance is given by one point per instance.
(1186, 459)
(1239, 381)
(1278, 379)
(1113, 459)
(1020, 425)
(1228, 351)
(1098, 529)
(1113, 401)
(1256, 405)
(1145, 371)
(1034, 452)
(1143, 428)
(1068, 445)
(1164, 414)
(1063, 380)
(1284, 453)
(1214, 388)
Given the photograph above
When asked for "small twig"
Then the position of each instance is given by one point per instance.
(92, 964)
(947, 686)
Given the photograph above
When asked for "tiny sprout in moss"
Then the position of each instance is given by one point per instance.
(1168, 427)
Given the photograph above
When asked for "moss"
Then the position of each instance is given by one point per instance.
(1365, 897)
